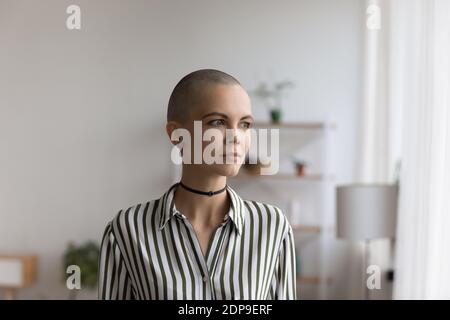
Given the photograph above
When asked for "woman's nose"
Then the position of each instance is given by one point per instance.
(232, 136)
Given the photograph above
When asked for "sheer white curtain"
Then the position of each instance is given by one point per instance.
(379, 133)
(377, 127)
(405, 114)
(423, 234)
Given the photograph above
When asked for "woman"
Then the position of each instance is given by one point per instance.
(200, 239)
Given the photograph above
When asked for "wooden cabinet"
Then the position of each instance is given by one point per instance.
(16, 272)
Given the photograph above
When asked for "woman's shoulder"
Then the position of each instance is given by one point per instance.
(132, 215)
(265, 210)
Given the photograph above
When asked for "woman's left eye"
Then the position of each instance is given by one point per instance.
(246, 125)
(217, 122)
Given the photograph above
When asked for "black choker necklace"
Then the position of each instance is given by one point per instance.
(205, 193)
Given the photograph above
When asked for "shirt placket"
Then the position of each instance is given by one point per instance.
(205, 269)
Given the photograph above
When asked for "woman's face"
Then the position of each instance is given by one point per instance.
(224, 111)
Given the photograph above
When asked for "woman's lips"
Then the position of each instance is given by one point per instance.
(233, 156)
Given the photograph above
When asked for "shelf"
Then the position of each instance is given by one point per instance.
(285, 176)
(302, 280)
(307, 228)
(294, 125)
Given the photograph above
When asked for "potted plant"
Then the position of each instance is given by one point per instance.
(272, 97)
(85, 256)
(300, 166)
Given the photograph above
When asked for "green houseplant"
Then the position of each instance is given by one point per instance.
(85, 256)
(272, 97)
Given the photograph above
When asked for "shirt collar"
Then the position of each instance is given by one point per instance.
(167, 208)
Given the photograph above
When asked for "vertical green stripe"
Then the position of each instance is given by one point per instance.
(188, 261)
(147, 247)
(268, 238)
(133, 253)
(158, 256)
(140, 250)
(258, 256)
(235, 238)
(241, 264)
(119, 273)
(225, 255)
(122, 239)
(292, 257)
(169, 262)
(250, 254)
(113, 271)
(177, 258)
(273, 256)
(106, 261)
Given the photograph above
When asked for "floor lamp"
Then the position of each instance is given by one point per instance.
(366, 212)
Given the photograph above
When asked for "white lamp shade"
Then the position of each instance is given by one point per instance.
(366, 211)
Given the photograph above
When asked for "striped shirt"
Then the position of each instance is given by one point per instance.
(151, 251)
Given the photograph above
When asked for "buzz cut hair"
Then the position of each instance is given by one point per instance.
(190, 88)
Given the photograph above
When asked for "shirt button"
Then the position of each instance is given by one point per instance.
(179, 214)
(205, 278)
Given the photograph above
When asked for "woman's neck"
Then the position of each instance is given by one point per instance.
(204, 211)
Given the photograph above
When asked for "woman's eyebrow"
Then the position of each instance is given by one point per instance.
(215, 114)
(224, 115)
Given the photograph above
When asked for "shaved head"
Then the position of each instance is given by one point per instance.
(189, 91)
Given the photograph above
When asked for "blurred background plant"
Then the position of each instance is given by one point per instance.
(272, 97)
(85, 256)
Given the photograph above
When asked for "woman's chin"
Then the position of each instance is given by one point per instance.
(228, 170)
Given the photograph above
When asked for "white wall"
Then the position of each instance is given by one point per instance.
(82, 112)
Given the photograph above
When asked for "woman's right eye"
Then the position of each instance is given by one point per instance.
(216, 122)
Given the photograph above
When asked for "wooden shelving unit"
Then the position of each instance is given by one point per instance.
(312, 280)
(284, 176)
(294, 125)
(307, 228)
(17, 272)
(323, 182)
(302, 228)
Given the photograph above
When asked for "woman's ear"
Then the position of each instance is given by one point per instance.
(170, 127)
(176, 138)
